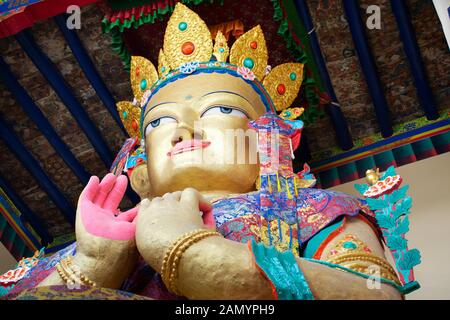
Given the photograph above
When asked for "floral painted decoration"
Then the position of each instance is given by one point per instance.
(189, 67)
(145, 97)
(246, 73)
(13, 276)
(384, 186)
(135, 159)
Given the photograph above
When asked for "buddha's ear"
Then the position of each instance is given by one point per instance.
(140, 181)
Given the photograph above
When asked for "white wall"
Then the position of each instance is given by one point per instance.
(429, 182)
(7, 261)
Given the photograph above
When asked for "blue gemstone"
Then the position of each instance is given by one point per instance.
(248, 62)
(221, 50)
(143, 84)
(350, 245)
(182, 26)
(293, 76)
(125, 114)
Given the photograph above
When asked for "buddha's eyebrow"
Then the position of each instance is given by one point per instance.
(157, 105)
(229, 92)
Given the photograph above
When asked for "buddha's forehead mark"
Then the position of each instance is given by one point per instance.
(188, 97)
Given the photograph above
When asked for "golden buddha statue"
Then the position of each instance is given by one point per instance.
(213, 217)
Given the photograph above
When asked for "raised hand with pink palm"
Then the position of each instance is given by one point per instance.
(106, 248)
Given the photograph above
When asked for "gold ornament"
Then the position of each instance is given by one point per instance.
(130, 116)
(142, 75)
(349, 243)
(283, 84)
(250, 51)
(187, 38)
(169, 269)
(366, 263)
(71, 274)
(305, 183)
(291, 113)
(163, 65)
(372, 176)
(221, 50)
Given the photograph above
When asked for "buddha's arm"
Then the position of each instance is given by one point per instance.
(106, 249)
(216, 268)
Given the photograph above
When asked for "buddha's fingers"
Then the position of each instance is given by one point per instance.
(145, 203)
(105, 187)
(128, 215)
(116, 194)
(191, 198)
(91, 189)
(172, 196)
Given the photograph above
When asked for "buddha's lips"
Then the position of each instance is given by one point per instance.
(188, 145)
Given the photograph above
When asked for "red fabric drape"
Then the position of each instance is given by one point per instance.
(29, 15)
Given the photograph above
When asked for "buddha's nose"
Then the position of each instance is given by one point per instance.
(185, 132)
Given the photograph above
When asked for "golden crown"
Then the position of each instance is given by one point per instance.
(188, 47)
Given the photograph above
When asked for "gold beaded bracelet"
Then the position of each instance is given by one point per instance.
(65, 275)
(169, 268)
(71, 274)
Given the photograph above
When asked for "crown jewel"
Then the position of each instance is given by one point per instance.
(188, 46)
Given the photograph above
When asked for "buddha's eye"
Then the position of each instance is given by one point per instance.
(221, 110)
(158, 122)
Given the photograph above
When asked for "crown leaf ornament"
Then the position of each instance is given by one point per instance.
(187, 38)
(250, 51)
(142, 75)
(283, 84)
(130, 115)
(163, 65)
(221, 50)
(188, 47)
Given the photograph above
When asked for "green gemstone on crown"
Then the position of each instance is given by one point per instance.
(182, 26)
(143, 84)
(293, 76)
(249, 63)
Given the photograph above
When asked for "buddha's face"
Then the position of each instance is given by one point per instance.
(189, 129)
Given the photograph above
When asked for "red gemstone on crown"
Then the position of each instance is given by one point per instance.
(253, 44)
(187, 48)
(281, 89)
(134, 125)
(138, 71)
